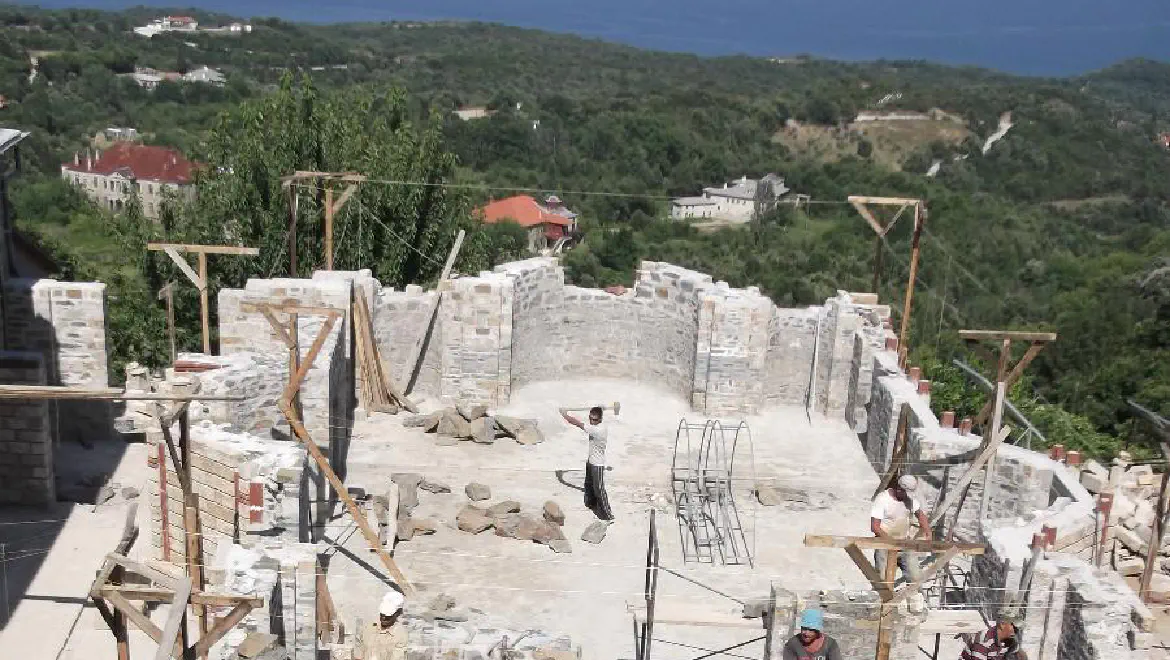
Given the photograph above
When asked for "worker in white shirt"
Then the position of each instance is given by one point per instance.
(598, 434)
(889, 518)
(386, 639)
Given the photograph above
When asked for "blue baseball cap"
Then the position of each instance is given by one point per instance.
(813, 619)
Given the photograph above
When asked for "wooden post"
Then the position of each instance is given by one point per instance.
(889, 576)
(167, 293)
(1156, 531)
(199, 279)
(414, 364)
(329, 228)
(293, 198)
(904, 333)
(877, 263)
(989, 436)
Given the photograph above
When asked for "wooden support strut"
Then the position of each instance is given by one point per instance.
(199, 279)
(286, 407)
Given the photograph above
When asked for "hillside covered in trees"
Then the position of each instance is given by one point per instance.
(1063, 224)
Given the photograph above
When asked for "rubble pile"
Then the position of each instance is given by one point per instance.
(1131, 518)
(506, 518)
(462, 423)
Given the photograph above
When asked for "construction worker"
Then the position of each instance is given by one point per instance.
(811, 643)
(998, 642)
(889, 518)
(386, 639)
(597, 434)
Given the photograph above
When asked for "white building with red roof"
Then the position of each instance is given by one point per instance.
(110, 177)
(547, 223)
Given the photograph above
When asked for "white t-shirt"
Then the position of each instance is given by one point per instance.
(598, 435)
(893, 514)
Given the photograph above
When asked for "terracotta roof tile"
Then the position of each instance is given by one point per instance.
(143, 162)
(523, 210)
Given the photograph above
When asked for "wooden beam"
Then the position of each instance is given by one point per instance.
(886, 201)
(989, 436)
(205, 312)
(869, 217)
(276, 325)
(100, 394)
(181, 261)
(160, 595)
(926, 574)
(875, 543)
(953, 494)
(1012, 376)
(221, 628)
(140, 620)
(1007, 334)
(203, 249)
(1157, 530)
(912, 278)
(869, 571)
(414, 363)
(329, 228)
(170, 632)
(167, 293)
(148, 572)
(300, 175)
(345, 196)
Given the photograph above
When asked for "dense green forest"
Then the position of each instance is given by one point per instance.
(1063, 224)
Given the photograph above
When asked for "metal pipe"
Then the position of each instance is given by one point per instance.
(1012, 410)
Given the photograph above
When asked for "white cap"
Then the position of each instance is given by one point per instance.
(908, 483)
(391, 603)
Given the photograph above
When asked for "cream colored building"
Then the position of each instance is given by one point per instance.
(150, 173)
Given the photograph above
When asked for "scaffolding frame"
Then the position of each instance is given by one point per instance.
(702, 480)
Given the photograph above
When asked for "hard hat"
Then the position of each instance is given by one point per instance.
(908, 483)
(391, 603)
(813, 619)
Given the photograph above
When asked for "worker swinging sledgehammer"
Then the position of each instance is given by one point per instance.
(598, 434)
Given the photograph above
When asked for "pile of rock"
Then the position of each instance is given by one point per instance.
(408, 484)
(508, 521)
(460, 422)
(1131, 519)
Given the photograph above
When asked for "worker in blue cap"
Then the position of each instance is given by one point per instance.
(812, 643)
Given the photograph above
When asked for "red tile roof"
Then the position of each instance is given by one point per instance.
(523, 210)
(139, 161)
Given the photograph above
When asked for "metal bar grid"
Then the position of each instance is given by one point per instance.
(702, 482)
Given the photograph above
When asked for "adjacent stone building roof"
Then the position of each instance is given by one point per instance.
(136, 161)
(527, 212)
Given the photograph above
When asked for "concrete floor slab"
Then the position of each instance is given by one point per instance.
(584, 594)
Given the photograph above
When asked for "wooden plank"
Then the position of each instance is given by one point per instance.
(204, 306)
(927, 573)
(869, 571)
(989, 437)
(63, 392)
(869, 217)
(345, 196)
(1155, 543)
(276, 325)
(298, 378)
(158, 595)
(1011, 378)
(371, 358)
(140, 620)
(888, 201)
(1014, 335)
(221, 627)
(954, 493)
(181, 261)
(148, 572)
(301, 175)
(170, 632)
(329, 209)
(875, 543)
(414, 362)
(203, 249)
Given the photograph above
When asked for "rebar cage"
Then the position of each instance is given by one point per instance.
(703, 484)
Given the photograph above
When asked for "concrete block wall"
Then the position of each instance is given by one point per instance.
(26, 441)
(327, 393)
(249, 488)
(66, 323)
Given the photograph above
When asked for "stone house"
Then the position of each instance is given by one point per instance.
(734, 202)
(109, 177)
(547, 223)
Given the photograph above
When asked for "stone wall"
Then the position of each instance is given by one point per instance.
(66, 323)
(285, 576)
(327, 393)
(249, 488)
(259, 378)
(26, 444)
(792, 336)
(401, 320)
(851, 618)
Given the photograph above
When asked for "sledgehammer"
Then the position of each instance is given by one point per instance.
(616, 408)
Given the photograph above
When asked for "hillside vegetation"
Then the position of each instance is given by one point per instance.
(1062, 225)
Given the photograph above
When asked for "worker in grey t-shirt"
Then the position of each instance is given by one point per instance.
(595, 498)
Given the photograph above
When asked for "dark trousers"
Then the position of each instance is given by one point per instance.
(595, 499)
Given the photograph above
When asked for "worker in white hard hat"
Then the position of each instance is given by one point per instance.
(386, 639)
(889, 518)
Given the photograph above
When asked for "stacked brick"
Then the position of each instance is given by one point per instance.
(26, 442)
(247, 487)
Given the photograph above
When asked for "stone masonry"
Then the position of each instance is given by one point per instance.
(66, 323)
(26, 445)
